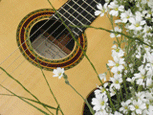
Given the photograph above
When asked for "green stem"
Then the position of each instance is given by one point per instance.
(52, 92)
(121, 94)
(57, 110)
(18, 82)
(111, 21)
(108, 70)
(31, 100)
(129, 37)
(84, 53)
(25, 100)
(89, 106)
(48, 83)
(124, 84)
(111, 103)
(118, 97)
(22, 86)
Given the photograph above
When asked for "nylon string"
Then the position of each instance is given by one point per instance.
(23, 79)
(24, 60)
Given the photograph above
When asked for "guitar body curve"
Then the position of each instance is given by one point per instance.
(81, 76)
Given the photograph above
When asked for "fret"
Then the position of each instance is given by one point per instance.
(72, 16)
(75, 8)
(91, 10)
(95, 1)
(76, 13)
(69, 20)
(89, 5)
(84, 9)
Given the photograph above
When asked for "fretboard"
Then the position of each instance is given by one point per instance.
(78, 13)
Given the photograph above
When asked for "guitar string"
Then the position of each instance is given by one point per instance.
(24, 51)
(24, 78)
(85, 15)
(27, 48)
(40, 44)
(69, 41)
(30, 37)
(89, 5)
(24, 42)
(35, 40)
(72, 21)
(63, 39)
(84, 9)
(22, 91)
(20, 64)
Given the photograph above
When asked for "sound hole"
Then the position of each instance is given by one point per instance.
(86, 110)
(52, 41)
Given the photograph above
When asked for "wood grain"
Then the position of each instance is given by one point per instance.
(82, 76)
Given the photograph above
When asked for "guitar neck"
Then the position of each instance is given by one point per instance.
(78, 13)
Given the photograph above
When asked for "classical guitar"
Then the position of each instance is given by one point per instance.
(32, 35)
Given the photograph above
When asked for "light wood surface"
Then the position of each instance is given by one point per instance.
(82, 76)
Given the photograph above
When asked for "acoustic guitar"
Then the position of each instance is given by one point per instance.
(32, 35)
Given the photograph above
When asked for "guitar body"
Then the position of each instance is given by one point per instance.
(81, 76)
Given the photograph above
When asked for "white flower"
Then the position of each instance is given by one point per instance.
(149, 69)
(117, 51)
(117, 113)
(115, 8)
(101, 89)
(147, 31)
(116, 29)
(149, 82)
(100, 102)
(125, 106)
(131, 79)
(150, 3)
(141, 96)
(102, 76)
(117, 80)
(137, 106)
(58, 72)
(149, 58)
(147, 13)
(125, 16)
(150, 110)
(112, 91)
(144, 1)
(146, 111)
(149, 95)
(101, 10)
(140, 76)
(102, 112)
(138, 52)
(137, 22)
(117, 64)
